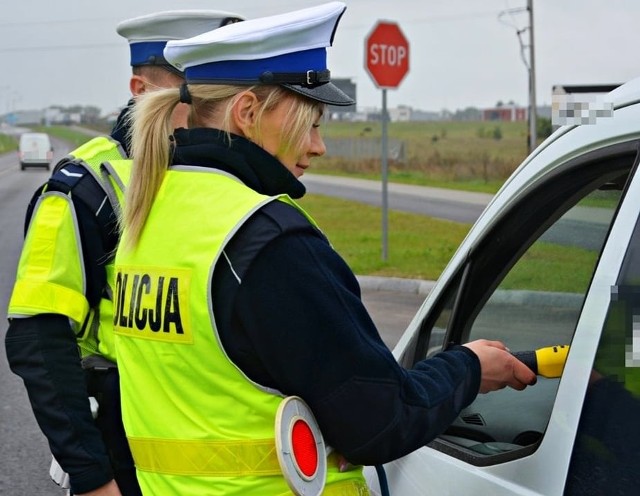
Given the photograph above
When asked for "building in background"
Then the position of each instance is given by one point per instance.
(24, 118)
(505, 113)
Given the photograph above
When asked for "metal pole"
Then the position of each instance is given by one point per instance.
(532, 83)
(384, 176)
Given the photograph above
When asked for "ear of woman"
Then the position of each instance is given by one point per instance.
(244, 114)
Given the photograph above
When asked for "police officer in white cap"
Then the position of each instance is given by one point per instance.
(246, 350)
(61, 301)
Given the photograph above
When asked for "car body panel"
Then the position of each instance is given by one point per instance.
(543, 469)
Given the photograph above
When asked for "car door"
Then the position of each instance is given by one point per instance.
(539, 273)
(605, 457)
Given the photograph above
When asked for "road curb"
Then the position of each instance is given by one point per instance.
(398, 284)
(505, 297)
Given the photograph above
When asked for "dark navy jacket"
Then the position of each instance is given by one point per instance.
(289, 313)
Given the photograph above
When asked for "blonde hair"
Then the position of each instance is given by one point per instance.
(151, 135)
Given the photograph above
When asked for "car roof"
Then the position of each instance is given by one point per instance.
(34, 136)
(625, 94)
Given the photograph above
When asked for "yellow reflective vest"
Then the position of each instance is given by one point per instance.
(196, 424)
(51, 276)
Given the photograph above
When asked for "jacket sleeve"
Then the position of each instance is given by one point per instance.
(42, 350)
(309, 334)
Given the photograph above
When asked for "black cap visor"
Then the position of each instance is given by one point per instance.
(159, 61)
(327, 93)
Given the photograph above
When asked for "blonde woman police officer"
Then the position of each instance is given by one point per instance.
(60, 310)
(249, 364)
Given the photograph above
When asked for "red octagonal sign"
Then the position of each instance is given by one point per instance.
(387, 55)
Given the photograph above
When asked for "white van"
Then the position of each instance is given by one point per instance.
(35, 150)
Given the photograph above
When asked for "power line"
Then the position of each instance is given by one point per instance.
(52, 48)
(48, 22)
(529, 64)
(424, 20)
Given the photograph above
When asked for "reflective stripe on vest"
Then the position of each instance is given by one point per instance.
(41, 287)
(223, 459)
(208, 458)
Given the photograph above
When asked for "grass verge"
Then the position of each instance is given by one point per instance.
(73, 137)
(419, 247)
(8, 143)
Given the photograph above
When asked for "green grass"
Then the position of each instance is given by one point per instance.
(7, 143)
(418, 246)
(550, 267)
(72, 136)
(457, 155)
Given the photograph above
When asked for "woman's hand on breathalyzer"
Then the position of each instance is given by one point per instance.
(499, 368)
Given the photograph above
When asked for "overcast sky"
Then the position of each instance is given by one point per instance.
(462, 52)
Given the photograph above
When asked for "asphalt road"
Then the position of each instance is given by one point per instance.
(458, 206)
(392, 303)
(24, 456)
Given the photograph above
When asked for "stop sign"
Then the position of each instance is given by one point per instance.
(387, 55)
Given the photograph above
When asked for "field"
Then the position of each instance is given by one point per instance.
(476, 156)
(419, 247)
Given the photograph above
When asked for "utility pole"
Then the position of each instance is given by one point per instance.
(533, 138)
(529, 63)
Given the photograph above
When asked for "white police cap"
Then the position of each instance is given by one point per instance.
(147, 35)
(287, 49)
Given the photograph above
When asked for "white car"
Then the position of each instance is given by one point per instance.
(553, 260)
(35, 150)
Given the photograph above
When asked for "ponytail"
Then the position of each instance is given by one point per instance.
(151, 128)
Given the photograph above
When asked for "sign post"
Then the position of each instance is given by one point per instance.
(387, 62)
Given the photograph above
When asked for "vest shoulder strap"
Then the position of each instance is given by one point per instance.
(78, 175)
(73, 178)
(273, 220)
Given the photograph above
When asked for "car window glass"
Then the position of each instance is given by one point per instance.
(438, 332)
(534, 303)
(605, 457)
(549, 280)
(537, 305)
